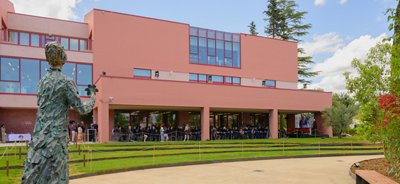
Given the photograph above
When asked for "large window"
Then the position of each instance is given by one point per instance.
(214, 79)
(141, 73)
(214, 48)
(20, 75)
(40, 40)
(269, 83)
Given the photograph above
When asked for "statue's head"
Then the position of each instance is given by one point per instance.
(55, 54)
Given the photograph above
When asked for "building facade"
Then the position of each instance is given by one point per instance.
(143, 66)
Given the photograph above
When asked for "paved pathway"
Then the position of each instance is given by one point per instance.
(297, 170)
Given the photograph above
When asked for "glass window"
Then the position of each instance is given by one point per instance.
(83, 45)
(228, 80)
(84, 74)
(228, 61)
(236, 37)
(13, 37)
(35, 40)
(194, 46)
(193, 31)
(217, 79)
(29, 76)
(236, 55)
(203, 50)
(212, 60)
(228, 49)
(202, 32)
(220, 35)
(211, 34)
(236, 80)
(202, 77)
(220, 53)
(73, 44)
(81, 90)
(9, 69)
(24, 39)
(9, 87)
(193, 77)
(141, 73)
(65, 43)
(228, 36)
(44, 67)
(211, 47)
(194, 58)
(69, 70)
(269, 83)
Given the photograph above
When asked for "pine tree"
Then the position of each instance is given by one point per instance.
(253, 29)
(286, 23)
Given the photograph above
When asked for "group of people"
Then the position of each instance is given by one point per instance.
(218, 133)
(77, 131)
(155, 133)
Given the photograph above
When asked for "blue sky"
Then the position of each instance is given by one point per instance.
(342, 29)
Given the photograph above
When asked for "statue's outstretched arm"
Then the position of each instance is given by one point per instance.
(75, 101)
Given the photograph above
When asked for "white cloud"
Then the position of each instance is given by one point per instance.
(343, 1)
(319, 2)
(61, 9)
(332, 69)
(329, 42)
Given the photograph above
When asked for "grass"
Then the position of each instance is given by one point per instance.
(123, 156)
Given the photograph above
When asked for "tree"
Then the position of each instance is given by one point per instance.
(372, 80)
(286, 23)
(340, 114)
(253, 29)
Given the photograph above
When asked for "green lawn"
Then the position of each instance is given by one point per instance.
(120, 156)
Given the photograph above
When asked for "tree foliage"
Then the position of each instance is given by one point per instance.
(340, 114)
(253, 28)
(284, 21)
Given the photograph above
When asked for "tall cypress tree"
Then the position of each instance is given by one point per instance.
(286, 22)
(394, 17)
(253, 29)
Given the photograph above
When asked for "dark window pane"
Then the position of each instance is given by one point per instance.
(13, 37)
(35, 40)
(211, 47)
(44, 67)
(69, 70)
(29, 76)
(82, 45)
(202, 77)
(141, 73)
(73, 44)
(202, 32)
(9, 87)
(64, 43)
(9, 69)
(228, 49)
(220, 35)
(228, 36)
(84, 74)
(203, 50)
(217, 79)
(211, 34)
(236, 37)
(194, 46)
(193, 77)
(220, 53)
(193, 31)
(194, 58)
(24, 38)
(236, 55)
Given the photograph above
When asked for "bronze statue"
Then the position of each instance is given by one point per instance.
(47, 158)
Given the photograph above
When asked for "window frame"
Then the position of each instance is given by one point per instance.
(142, 77)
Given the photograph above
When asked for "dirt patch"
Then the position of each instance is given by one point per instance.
(379, 165)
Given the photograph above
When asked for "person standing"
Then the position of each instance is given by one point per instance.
(162, 133)
(187, 133)
(3, 133)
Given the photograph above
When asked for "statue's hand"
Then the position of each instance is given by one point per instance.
(91, 90)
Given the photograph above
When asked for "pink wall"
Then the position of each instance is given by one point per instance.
(122, 42)
(5, 7)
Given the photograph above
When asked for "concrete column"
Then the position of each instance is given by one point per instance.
(321, 127)
(103, 118)
(273, 124)
(290, 121)
(205, 123)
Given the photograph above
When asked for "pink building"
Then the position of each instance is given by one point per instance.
(154, 72)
